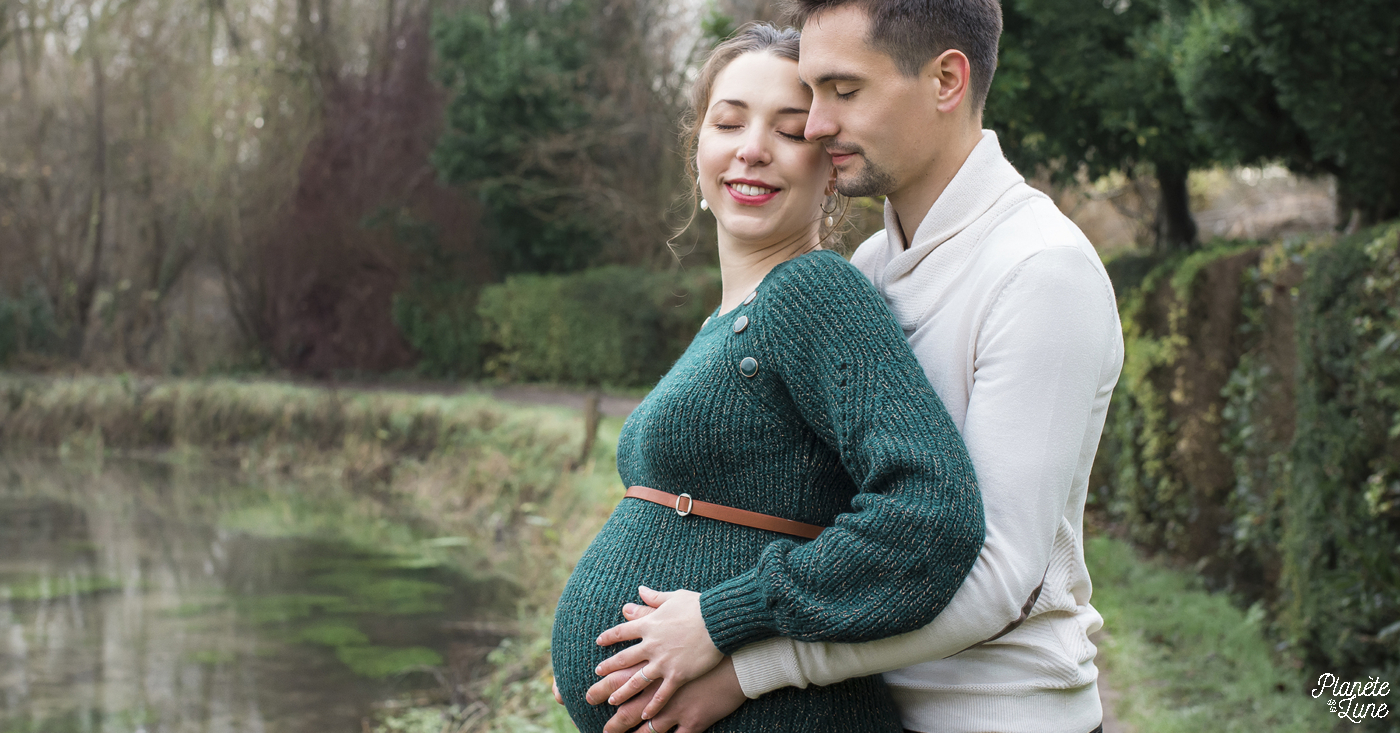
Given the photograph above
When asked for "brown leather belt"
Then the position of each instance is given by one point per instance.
(684, 506)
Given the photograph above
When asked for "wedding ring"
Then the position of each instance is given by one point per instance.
(651, 727)
(648, 679)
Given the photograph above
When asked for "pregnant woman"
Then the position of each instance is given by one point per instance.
(799, 404)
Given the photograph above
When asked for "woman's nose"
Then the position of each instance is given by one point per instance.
(754, 150)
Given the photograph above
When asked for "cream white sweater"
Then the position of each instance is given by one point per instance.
(1011, 314)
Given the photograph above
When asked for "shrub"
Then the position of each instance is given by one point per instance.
(1342, 529)
(27, 325)
(615, 326)
(439, 321)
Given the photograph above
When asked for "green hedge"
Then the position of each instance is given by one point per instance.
(1255, 434)
(439, 321)
(615, 326)
(27, 325)
(1161, 453)
(1342, 518)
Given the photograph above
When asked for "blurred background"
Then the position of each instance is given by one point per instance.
(318, 320)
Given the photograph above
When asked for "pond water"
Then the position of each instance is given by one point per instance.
(148, 598)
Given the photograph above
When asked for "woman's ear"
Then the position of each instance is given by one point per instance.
(831, 183)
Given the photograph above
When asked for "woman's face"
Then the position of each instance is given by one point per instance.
(764, 182)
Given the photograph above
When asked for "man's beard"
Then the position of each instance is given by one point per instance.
(871, 180)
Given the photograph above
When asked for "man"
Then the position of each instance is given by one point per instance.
(1013, 318)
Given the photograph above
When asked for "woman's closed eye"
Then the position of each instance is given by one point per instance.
(793, 136)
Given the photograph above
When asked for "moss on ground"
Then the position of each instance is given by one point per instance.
(1184, 660)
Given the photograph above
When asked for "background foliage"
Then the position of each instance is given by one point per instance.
(1337, 72)
(1159, 87)
(1342, 506)
(1254, 435)
(604, 326)
(525, 122)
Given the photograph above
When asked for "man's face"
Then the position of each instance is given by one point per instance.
(876, 123)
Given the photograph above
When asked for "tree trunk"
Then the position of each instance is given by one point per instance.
(97, 216)
(1176, 229)
(24, 89)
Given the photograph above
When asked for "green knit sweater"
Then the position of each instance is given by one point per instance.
(804, 403)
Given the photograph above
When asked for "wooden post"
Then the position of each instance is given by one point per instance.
(591, 416)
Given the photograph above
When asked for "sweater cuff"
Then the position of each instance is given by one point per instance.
(767, 666)
(736, 614)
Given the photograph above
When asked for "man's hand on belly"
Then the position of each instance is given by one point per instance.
(695, 707)
(674, 647)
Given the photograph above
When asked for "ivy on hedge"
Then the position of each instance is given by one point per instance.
(1140, 437)
(1309, 422)
(1342, 520)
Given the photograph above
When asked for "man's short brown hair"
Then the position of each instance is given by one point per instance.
(914, 32)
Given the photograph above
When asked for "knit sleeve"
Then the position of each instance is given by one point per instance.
(894, 560)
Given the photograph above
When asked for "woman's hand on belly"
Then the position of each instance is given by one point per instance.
(695, 708)
(672, 642)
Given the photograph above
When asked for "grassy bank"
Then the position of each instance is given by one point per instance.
(1184, 660)
(504, 486)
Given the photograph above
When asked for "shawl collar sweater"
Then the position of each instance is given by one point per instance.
(1013, 319)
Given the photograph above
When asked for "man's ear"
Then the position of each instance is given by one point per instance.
(948, 76)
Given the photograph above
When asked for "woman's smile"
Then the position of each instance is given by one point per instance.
(751, 193)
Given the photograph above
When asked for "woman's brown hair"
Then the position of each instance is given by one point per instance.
(750, 38)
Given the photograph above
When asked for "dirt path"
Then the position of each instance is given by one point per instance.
(525, 394)
(1107, 695)
(520, 394)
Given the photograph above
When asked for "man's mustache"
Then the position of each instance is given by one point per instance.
(844, 149)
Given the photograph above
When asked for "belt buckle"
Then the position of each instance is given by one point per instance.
(688, 507)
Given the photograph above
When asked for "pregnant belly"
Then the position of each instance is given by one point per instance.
(647, 544)
(641, 544)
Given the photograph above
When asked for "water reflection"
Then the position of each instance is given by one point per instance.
(141, 598)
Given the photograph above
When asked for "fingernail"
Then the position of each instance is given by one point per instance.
(598, 669)
(588, 698)
(612, 701)
(629, 609)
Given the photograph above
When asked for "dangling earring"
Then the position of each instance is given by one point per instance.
(704, 205)
(829, 208)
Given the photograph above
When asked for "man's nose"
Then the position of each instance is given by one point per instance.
(821, 123)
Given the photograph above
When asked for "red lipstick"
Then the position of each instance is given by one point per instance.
(750, 198)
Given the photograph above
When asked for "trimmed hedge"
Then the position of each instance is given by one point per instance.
(1342, 506)
(616, 326)
(1162, 444)
(1255, 433)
